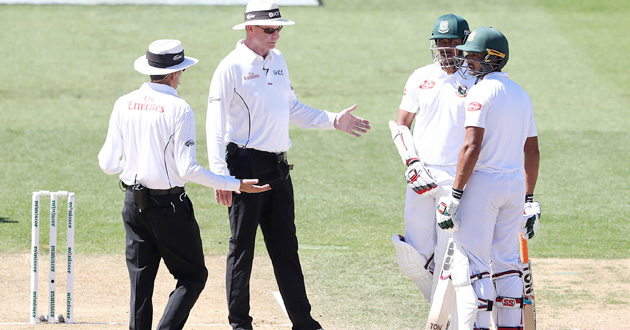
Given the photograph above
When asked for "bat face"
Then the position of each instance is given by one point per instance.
(529, 308)
(528, 282)
(444, 295)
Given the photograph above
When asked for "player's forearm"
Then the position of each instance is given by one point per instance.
(531, 163)
(465, 165)
(468, 156)
(531, 176)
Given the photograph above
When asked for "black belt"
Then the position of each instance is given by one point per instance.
(156, 192)
(282, 156)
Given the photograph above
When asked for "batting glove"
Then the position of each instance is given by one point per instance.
(531, 219)
(447, 211)
(418, 177)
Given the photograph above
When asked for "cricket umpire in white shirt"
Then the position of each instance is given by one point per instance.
(250, 106)
(151, 142)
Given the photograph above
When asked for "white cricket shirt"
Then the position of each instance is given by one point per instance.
(438, 100)
(505, 111)
(251, 103)
(151, 139)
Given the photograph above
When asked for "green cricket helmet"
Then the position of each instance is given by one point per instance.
(449, 26)
(490, 42)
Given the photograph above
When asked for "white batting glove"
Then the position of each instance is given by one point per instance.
(531, 219)
(419, 178)
(447, 211)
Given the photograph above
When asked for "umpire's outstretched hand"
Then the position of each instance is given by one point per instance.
(249, 186)
(350, 123)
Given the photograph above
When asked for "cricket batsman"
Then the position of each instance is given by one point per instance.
(434, 96)
(497, 170)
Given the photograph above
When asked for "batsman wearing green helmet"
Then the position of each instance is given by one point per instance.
(434, 97)
(486, 51)
(497, 169)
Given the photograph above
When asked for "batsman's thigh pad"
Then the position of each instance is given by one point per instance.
(413, 265)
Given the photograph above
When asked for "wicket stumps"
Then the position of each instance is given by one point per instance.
(54, 196)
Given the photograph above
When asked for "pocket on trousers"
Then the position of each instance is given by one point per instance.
(269, 175)
(188, 207)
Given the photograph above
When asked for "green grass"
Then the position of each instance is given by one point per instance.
(65, 66)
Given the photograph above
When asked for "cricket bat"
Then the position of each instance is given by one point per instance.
(529, 306)
(444, 295)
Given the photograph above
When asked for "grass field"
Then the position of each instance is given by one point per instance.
(64, 67)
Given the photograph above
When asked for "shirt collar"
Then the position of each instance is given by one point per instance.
(162, 88)
(497, 74)
(250, 55)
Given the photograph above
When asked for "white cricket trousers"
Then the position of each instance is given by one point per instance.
(490, 211)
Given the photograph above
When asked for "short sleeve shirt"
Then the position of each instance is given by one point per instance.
(505, 111)
(437, 99)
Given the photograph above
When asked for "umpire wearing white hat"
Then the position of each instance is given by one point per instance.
(262, 13)
(250, 106)
(151, 143)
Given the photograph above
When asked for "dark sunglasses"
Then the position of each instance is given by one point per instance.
(270, 30)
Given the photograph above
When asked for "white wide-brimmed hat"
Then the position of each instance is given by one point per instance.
(163, 57)
(262, 12)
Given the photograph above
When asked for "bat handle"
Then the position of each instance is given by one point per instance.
(523, 248)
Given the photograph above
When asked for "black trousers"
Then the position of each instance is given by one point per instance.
(168, 230)
(274, 212)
